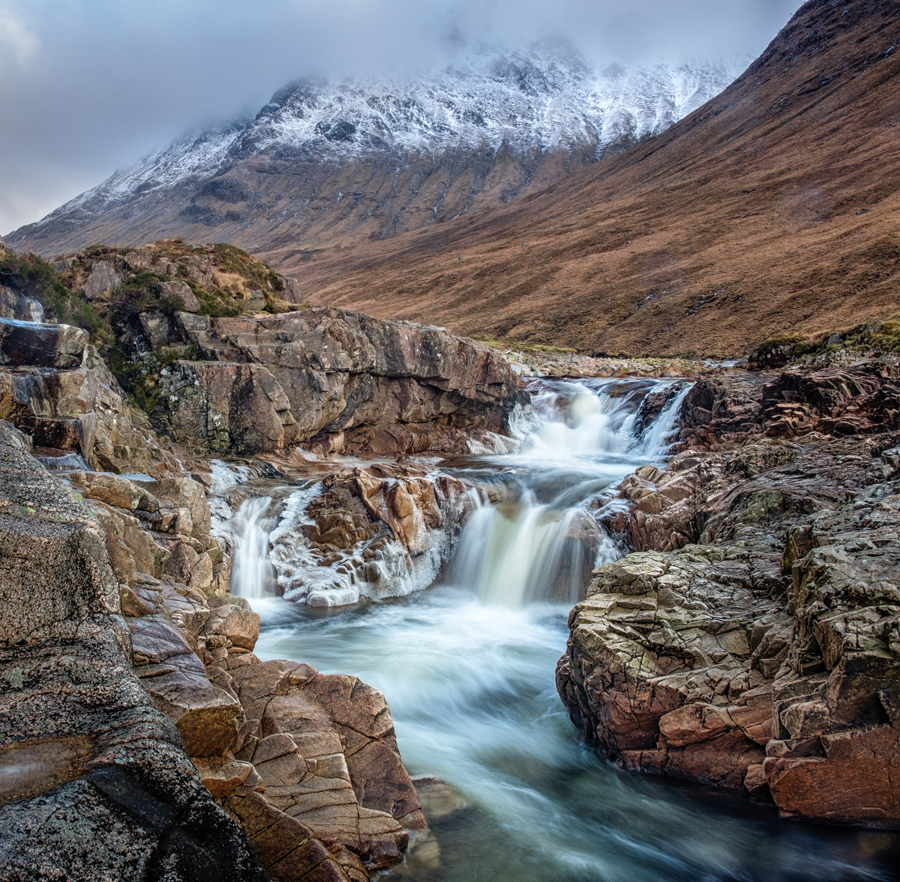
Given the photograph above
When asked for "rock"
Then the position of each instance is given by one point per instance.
(47, 539)
(180, 295)
(227, 408)
(84, 410)
(102, 280)
(131, 549)
(207, 717)
(188, 566)
(109, 785)
(289, 850)
(187, 494)
(41, 345)
(654, 674)
(292, 291)
(14, 305)
(317, 769)
(382, 531)
(337, 379)
(223, 776)
(766, 657)
(240, 626)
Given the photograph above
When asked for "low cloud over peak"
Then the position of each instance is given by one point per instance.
(90, 85)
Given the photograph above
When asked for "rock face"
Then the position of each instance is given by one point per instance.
(40, 345)
(81, 410)
(339, 381)
(381, 531)
(107, 783)
(752, 640)
(124, 660)
(307, 764)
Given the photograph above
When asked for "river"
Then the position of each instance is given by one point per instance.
(468, 670)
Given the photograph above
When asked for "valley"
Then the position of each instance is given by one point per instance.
(525, 507)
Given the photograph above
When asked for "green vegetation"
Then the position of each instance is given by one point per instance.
(223, 278)
(879, 336)
(215, 302)
(883, 336)
(255, 273)
(30, 275)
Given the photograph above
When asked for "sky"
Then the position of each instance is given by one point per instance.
(88, 86)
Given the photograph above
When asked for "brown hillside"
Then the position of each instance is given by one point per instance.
(774, 207)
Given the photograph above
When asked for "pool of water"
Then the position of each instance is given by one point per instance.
(468, 669)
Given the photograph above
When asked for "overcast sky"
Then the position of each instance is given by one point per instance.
(87, 86)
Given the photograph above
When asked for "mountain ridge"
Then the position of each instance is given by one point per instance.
(773, 208)
(334, 163)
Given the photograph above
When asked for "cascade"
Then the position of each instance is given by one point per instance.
(467, 667)
(252, 574)
(536, 541)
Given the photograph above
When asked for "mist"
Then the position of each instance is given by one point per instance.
(87, 86)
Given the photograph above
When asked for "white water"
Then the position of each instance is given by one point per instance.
(468, 669)
(252, 574)
(225, 475)
(519, 549)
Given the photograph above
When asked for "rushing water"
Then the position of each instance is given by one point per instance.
(468, 665)
(252, 573)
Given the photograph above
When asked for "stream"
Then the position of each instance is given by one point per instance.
(468, 670)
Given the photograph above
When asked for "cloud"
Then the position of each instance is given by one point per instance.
(96, 84)
(17, 42)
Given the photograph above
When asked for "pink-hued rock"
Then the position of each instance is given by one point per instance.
(754, 640)
(338, 380)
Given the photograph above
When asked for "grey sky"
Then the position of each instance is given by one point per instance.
(87, 86)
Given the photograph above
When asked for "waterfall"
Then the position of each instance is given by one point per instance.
(512, 552)
(535, 541)
(252, 574)
(653, 443)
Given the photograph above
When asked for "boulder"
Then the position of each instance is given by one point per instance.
(292, 292)
(207, 717)
(102, 280)
(327, 757)
(336, 379)
(41, 345)
(180, 295)
(382, 531)
(109, 785)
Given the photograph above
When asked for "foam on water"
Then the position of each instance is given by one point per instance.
(468, 670)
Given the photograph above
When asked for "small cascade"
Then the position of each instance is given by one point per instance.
(252, 574)
(575, 421)
(512, 552)
(656, 440)
(535, 541)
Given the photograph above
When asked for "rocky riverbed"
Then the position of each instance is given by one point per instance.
(749, 642)
(129, 675)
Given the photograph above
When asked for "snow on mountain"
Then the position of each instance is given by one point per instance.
(409, 151)
(540, 99)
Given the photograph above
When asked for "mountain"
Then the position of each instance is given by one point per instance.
(773, 208)
(327, 163)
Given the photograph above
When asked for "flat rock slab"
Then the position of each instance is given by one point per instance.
(41, 345)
